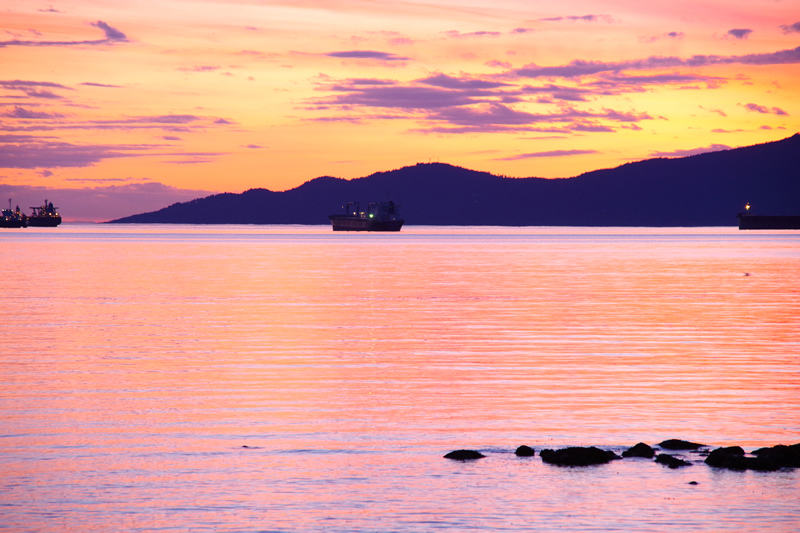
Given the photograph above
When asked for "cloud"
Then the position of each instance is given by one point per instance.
(449, 82)
(253, 146)
(367, 54)
(498, 64)
(693, 151)
(171, 123)
(764, 109)
(583, 18)
(113, 35)
(791, 28)
(458, 35)
(676, 34)
(577, 68)
(551, 153)
(171, 138)
(449, 104)
(522, 30)
(22, 85)
(57, 154)
(34, 89)
(199, 68)
(49, 10)
(720, 112)
(740, 33)
(21, 112)
(91, 84)
(593, 128)
(33, 153)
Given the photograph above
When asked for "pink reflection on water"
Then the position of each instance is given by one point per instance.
(138, 360)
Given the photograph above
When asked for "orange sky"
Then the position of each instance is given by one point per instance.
(152, 102)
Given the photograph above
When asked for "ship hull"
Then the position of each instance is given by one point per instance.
(5, 223)
(44, 222)
(768, 222)
(347, 223)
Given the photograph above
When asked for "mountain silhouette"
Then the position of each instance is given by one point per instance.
(701, 190)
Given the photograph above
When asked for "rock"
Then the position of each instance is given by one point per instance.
(782, 455)
(640, 450)
(578, 456)
(731, 457)
(525, 451)
(693, 483)
(464, 455)
(671, 461)
(677, 444)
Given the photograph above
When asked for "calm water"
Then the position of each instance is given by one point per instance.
(138, 361)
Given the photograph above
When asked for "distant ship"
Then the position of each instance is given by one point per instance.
(748, 221)
(379, 216)
(44, 216)
(13, 219)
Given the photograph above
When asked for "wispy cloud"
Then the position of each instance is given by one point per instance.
(764, 109)
(113, 35)
(550, 153)
(582, 18)
(577, 68)
(367, 54)
(199, 68)
(91, 84)
(791, 28)
(27, 114)
(740, 33)
(29, 152)
(458, 35)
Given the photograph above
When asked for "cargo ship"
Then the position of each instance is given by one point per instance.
(44, 216)
(13, 219)
(379, 216)
(749, 221)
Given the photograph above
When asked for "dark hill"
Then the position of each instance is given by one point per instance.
(702, 190)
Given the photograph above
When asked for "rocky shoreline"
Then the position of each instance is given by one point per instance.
(768, 459)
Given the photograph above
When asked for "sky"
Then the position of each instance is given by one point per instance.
(112, 108)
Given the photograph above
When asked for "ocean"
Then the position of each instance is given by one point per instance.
(293, 379)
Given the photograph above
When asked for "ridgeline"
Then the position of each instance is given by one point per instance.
(702, 190)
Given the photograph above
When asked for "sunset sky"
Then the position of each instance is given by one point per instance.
(137, 105)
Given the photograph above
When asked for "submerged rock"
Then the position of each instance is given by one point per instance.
(578, 456)
(525, 451)
(464, 455)
(678, 444)
(671, 461)
(640, 450)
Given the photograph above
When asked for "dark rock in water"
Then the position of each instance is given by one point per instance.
(464, 455)
(525, 451)
(693, 483)
(671, 461)
(731, 457)
(782, 455)
(578, 456)
(640, 450)
(677, 444)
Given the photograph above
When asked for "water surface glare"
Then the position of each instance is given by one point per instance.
(292, 379)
